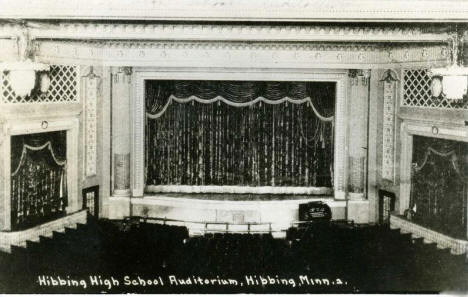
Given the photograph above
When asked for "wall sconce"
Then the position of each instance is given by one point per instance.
(44, 82)
(22, 76)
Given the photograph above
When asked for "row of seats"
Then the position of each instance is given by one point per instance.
(368, 259)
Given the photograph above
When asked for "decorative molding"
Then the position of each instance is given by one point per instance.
(138, 140)
(138, 110)
(121, 139)
(240, 10)
(388, 134)
(359, 77)
(242, 54)
(199, 32)
(91, 83)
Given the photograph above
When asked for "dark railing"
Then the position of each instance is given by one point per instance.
(225, 227)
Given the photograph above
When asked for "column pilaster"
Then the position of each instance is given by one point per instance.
(121, 133)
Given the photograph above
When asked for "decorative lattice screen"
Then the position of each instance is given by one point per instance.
(417, 92)
(64, 87)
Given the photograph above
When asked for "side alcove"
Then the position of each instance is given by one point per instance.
(43, 116)
(432, 134)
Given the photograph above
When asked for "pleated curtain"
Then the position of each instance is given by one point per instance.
(245, 133)
(38, 178)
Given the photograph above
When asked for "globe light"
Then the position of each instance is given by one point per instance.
(22, 75)
(22, 81)
(455, 86)
(451, 82)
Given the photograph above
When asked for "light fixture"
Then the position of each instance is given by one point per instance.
(450, 82)
(44, 82)
(22, 75)
(436, 86)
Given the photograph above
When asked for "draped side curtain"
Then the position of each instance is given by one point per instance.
(38, 178)
(56, 151)
(439, 185)
(239, 133)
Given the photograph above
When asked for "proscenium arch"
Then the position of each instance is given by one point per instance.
(138, 113)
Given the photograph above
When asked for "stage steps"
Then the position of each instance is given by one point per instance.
(441, 241)
(20, 238)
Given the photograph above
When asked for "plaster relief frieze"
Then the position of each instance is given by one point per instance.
(187, 32)
(219, 54)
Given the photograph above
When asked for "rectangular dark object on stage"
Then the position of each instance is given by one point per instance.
(314, 211)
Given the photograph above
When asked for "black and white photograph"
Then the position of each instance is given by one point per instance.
(234, 147)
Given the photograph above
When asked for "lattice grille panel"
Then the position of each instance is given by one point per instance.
(64, 87)
(417, 92)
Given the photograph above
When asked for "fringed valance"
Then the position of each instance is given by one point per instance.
(450, 151)
(52, 145)
(159, 95)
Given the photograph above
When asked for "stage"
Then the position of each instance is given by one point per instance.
(233, 213)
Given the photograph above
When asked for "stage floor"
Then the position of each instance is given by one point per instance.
(196, 210)
(237, 197)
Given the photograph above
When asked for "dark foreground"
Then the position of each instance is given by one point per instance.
(145, 258)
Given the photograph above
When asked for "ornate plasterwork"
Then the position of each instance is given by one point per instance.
(119, 44)
(91, 83)
(138, 129)
(187, 32)
(138, 110)
(258, 54)
(389, 84)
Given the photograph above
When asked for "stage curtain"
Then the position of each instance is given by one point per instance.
(439, 185)
(38, 178)
(239, 133)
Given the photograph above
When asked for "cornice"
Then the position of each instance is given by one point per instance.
(240, 10)
(188, 32)
(222, 54)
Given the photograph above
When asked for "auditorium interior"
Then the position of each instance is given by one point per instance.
(233, 146)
